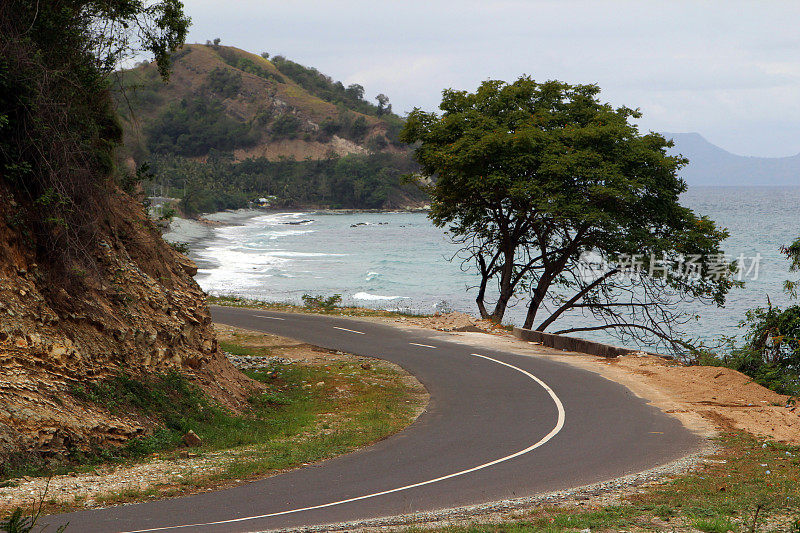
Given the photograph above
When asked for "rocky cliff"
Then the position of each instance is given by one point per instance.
(138, 311)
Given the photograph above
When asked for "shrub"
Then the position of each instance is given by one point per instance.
(358, 129)
(321, 302)
(377, 143)
(180, 247)
(771, 355)
(18, 522)
(286, 126)
(330, 127)
(234, 59)
(224, 83)
(322, 86)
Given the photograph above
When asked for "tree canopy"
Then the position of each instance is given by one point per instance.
(558, 199)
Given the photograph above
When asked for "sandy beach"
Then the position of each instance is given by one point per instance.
(193, 231)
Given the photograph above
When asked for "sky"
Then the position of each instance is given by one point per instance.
(728, 70)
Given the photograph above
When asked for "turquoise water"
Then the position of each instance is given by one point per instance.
(399, 260)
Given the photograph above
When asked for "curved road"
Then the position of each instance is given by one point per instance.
(499, 425)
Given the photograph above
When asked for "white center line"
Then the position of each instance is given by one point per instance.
(350, 330)
(553, 432)
(270, 317)
(423, 345)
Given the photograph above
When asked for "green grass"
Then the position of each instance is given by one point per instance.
(300, 417)
(235, 301)
(235, 349)
(714, 525)
(733, 494)
(374, 411)
(168, 398)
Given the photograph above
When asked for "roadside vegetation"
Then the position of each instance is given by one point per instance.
(770, 353)
(328, 305)
(304, 411)
(750, 485)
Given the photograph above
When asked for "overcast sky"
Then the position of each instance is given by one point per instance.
(728, 70)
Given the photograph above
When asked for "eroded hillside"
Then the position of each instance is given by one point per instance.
(137, 311)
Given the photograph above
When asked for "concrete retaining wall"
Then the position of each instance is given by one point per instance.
(571, 344)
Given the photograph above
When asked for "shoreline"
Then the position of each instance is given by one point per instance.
(193, 230)
(195, 233)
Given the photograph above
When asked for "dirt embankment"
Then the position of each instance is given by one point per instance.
(725, 398)
(136, 309)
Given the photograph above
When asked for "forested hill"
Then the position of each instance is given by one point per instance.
(231, 126)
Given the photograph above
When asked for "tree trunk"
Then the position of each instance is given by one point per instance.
(479, 299)
(538, 296)
(500, 306)
(536, 301)
(506, 285)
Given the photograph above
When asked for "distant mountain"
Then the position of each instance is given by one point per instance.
(711, 165)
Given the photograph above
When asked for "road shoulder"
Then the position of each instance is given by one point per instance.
(351, 385)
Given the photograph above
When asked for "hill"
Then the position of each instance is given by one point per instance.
(711, 165)
(231, 126)
(224, 98)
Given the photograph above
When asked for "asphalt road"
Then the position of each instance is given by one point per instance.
(498, 425)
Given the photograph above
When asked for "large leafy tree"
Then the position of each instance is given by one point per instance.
(538, 180)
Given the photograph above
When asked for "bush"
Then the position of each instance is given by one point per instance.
(286, 126)
(377, 143)
(324, 87)
(321, 302)
(180, 247)
(234, 59)
(224, 83)
(772, 353)
(330, 127)
(18, 522)
(358, 129)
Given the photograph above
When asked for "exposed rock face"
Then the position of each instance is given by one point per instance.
(139, 311)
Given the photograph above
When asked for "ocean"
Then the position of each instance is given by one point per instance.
(401, 261)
